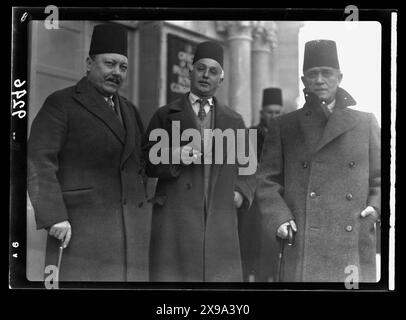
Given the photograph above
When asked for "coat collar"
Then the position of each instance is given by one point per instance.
(178, 112)
(131, 130)
(341, 120)
(87, 95)
(343, 99)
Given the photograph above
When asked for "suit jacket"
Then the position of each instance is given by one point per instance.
(192, 241)
(323, 173)
(86, 167)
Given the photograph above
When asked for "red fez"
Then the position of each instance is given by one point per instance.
(209, 49)
(109, 38)
(320, 53)
(272, 96)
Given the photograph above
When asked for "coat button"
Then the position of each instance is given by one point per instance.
(140, 204)
(124, 201)
(348, 228)
(351, 164)
(308, 113)
(349, 196)
(188, 186)
(305, 164)
(313, 195)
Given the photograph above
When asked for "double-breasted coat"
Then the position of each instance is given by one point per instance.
(191, 242)
(86, 167)
(322, 172)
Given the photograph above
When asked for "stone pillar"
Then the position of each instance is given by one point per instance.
(239, 36)
(288, 64)
(262, 71)
(272, 35)
(150, 65)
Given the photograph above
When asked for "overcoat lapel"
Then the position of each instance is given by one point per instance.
(317, 130)
(130, 127)
(312, 124)
(222, 122)
(90, 99)
(340, 121)
(180, 113)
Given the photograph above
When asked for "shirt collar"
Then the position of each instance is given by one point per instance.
(331, 105)
(193, 98)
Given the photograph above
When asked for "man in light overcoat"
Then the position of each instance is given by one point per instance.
(320, 174)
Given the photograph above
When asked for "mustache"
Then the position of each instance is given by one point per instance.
(115, 79)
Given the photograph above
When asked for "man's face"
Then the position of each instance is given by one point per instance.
(269, 112)
(107, 72)
(205, 77)
(322, 81)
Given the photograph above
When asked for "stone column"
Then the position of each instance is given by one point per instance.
(239, 36)
(288, 64)
(263, 67)
(150, 65)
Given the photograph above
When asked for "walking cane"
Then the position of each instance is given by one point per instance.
(281, 251)
(59, 260)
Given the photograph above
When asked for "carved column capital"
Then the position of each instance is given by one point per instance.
(265, 35)
(241, 30)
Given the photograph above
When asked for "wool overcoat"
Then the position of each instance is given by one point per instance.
(194, 240)
(86, 167)
(322, 172)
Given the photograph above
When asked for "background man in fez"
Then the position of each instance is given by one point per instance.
(259, 258)
(194, 223)
(320, 174)
(271, 108)
(85, 176)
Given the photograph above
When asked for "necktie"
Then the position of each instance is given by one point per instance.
(202, 114)
(112, 105)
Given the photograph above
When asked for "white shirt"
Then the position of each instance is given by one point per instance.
(196, 105)
(107, 98)
(331, 105)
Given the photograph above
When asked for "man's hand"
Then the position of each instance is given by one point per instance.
(282, 231)
(238, 199)
(62, 231)
(370, 211)
(187, 154)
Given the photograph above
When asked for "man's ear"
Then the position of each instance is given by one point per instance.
(88, 63)
(340, 78)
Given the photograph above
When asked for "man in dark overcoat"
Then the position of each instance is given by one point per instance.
(85, 172)
(320, 174)
(259, 255)
(194, 222)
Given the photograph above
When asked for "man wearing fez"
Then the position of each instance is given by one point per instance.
(258, 256)
(320, 175)
(194, 221)
(86, 181)
(271, 108)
